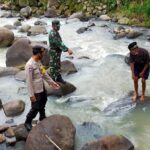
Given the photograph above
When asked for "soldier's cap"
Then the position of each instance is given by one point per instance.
(56, 22)
(132, 46)
(38, 49)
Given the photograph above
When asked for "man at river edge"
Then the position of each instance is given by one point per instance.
(35, 76)
(139, 63)
(56, 48)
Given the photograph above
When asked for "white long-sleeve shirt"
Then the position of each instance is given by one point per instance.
(35, 76)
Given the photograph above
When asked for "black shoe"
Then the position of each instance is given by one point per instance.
(60, 79)
(28, 126)
(41, 118)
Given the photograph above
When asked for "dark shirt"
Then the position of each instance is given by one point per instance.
(141, 58)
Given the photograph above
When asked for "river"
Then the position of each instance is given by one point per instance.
(104, 78)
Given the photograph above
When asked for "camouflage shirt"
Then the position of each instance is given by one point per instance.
(55, 42)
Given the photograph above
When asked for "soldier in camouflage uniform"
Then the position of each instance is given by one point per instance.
(56, 48)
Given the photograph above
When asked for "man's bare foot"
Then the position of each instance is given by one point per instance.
(134, 98)
(142, 98)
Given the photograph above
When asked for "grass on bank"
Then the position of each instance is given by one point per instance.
(138, 11)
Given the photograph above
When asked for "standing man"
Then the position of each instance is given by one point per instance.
(56, 48)
(139, 63)
(35, 76)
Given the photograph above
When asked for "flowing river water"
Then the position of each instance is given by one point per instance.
(104, 78)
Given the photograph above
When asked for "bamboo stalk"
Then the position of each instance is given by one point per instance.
(51, 141)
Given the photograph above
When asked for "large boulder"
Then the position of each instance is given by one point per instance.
(26, 12)
(7, 71)
(63, 90)
(112, 142)
(14, 108)
(58, 128)
(21, 51)
(6, 37)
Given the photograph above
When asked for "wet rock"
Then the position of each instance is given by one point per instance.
(7, 71)
(119, 29)
(20, 132)
(7, 15)
(119, 35)
(26, 12)
(124, 21)
(105, 18)
(41, 23)
(25, 28)
(120, 107)
(50, 13)
(21, 76)
(14, 108)
(20, 145)
(62, 91)
(76, 15)
(37, 30)
(22, 91)
(21, 51)
(84, 57)
(6, 37)
(112, 142)
(82, 30)
(10, 27)
(87, 132)
(58, 128)
(127, 59)
(68, 67)
(148, 37)
(72, 20)
(10, 121)
(4, 127)
(2, 138)
(11, 141)
(9, 133)
(133, 34)
(18, 23)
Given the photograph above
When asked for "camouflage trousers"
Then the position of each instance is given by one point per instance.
(55, 64)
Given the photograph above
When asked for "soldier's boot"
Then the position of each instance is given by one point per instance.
(28, 124)
(60, 79)
(42, 114)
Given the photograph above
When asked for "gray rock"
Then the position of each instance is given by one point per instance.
(6, 37)
(37, 30)
(50, 13)
(41, 23)
(7, 71)
(1, 104)
(133, 34)
(123, 21)
(20, 132)
(58, 128)
(76, 15)
(21, 76)
(68, 67)
(18, 23)
(25, 28)
(10, 27)
(105, 18)
(82, 30)
(14, 108)
(63, 90)
(26, 12)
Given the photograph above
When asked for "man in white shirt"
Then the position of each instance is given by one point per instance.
(35, 76)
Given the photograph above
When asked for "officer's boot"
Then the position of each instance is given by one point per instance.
(60, 79)
(42, 114)
(28, 124)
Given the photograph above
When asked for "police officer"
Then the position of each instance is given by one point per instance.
(56, 48)
(35, 76)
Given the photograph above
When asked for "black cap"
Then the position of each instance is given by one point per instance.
(132, 45)
(56, 22)
(37, 49)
